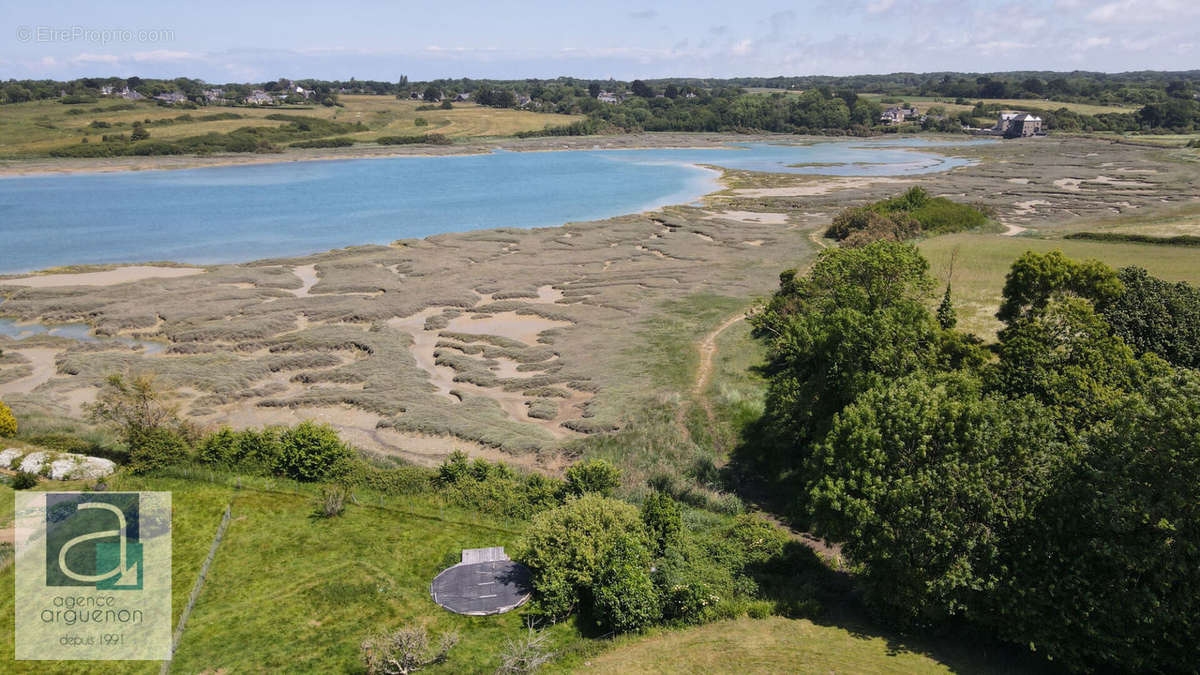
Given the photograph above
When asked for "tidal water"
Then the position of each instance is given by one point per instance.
(240, 213)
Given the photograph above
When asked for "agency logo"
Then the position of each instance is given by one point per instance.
(92, 575)
(92, 540)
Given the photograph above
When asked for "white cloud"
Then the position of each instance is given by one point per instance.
(95, 58)
(164, 55)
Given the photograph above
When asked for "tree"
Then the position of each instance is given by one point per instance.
(313, 452)
(432, 94)
(594, 89)
(945, 311)
(856, 320)
(641, 89)
(1152, 315)
(405, 650)
(8, 421)
(595, 475)
(566, 548)
(136, 406)
(921, 478)
(1104, 572)
(1036, 278)
(139, 132)
(1066, 356)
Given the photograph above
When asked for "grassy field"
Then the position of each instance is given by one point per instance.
(984, 260)
(289, 591)
(923, 103)
(773, 645)
(34, 128)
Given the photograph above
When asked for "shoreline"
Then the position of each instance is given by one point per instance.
(49, 167)
(659, 140)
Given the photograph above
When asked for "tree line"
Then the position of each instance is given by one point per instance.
(1045, 490)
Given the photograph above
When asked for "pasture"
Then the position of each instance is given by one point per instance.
(292, 591)
(32, 129)
(984, 260)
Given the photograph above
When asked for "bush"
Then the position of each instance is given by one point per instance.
(690, 603)
(405, 650)
(623, 596)
(8, 421)
(336, 142)
(431, 139)
(313, 452)
(24, 480)
(759, 609)
(220, 448)
(157, 448)
(663, 519)
(333, 501)
(526, 655)
(565, 548)
(595, 475)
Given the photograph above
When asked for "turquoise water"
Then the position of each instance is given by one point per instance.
(239, 213)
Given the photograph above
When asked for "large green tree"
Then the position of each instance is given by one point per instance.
(920, 478)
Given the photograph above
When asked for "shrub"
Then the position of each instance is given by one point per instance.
(595, 475)
(690, 603)
(8, 421)
(405, 650)
(313, 452)
(220, 448)
(156, 448)
(564, 548)
(524, 656)
(623, 595)
(24, 480)
(336, 142)
(333, 501)
(663, 519)
(759, 609)
(420, 122)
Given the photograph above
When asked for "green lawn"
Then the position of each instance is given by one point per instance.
(773, 645)
(291, 592)
(984, 261)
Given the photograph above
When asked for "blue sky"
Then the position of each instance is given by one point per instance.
(223, 41)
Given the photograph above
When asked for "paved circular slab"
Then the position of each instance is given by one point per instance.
(482, 588)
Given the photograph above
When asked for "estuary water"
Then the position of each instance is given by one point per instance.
(240, 213)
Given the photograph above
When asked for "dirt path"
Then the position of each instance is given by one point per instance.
(1013, 230)
(708, 350)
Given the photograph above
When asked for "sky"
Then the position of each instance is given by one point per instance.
(222, 41)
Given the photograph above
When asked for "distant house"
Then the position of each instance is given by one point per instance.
(607, 97)
(523, 100)
(301, 91)
(106, 91)
(171, 98)
(465, 96)
(214, 95)
(260, 97)
(897, 115)
(414, 95)
(1018, 125)
(131, 95)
